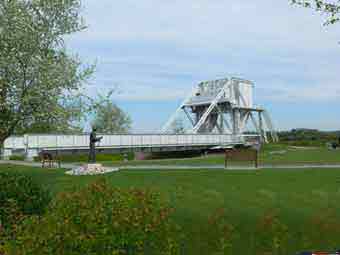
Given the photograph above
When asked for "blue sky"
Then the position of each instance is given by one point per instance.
(155, 51)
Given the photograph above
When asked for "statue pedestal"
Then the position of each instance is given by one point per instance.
(92, 169)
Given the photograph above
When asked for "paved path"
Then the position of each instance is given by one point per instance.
(34, 164)
(182, 167)
(155, 167)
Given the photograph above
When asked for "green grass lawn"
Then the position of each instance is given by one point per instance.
(291, 155)
(197, 194)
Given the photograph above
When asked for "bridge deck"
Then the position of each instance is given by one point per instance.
(118, 141)
(33, 144)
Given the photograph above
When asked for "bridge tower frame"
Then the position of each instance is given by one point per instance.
(224, 106)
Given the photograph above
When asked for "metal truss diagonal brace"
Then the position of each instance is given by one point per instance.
(179, 109)
(258, 128)
(209, 110)
(244, 120)
(189, 117)
(226, 123)
(270, 126)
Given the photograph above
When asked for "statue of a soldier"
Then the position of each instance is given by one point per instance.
(93, 140)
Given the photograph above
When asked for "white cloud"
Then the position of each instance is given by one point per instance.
(157, 50)
(208, 23)
(304, 93)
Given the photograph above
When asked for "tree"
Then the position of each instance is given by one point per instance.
(177, 127)
(68, 123)
(39, 80)
(109, 118)
(331, 9)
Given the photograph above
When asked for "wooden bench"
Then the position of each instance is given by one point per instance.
(242, 155)
(49, 160)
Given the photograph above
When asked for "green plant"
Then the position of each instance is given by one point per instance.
(9, 226)
(321, 231)
(84, 157)
(17, 157)
(21, 192)
(271, 235)
(19, 198)
(100, 220)
(225, 233)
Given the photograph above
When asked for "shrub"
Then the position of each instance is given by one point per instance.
(19, 198)
(321, 230)
(17, 157)
(175, 154)
(224, 233)
(21, 194)
(271, 235)
(99, 157)
(100, 220)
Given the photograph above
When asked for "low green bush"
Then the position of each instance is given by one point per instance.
(17, 157)
(21, 194)
(100, 220)
(306, 143)
(222, 233)
(321, 229)
(84, 157)
(174, 154)
(271, 235)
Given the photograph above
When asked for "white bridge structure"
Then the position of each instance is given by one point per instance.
(31, 145)
(218, 113)
(223, 106)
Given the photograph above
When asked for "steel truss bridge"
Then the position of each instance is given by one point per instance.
(31, 145)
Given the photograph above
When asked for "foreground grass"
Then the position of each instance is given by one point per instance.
(197, 194)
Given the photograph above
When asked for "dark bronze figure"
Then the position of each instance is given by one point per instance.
(93, 140)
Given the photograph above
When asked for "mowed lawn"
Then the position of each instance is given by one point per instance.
(272, 154)
(198, 194)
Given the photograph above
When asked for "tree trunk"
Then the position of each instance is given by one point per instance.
(3, 137)
(1, 147)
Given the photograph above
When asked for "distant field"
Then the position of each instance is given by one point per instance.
(245, 195)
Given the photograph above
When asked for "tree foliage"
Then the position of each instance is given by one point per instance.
(178, 127)
(39, 80)
(69, 121)
(330, 8)
(109, 118)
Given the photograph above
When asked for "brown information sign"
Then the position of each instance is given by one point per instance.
(242, 155)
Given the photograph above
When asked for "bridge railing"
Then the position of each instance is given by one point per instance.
(15, 142)
(117, 141)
